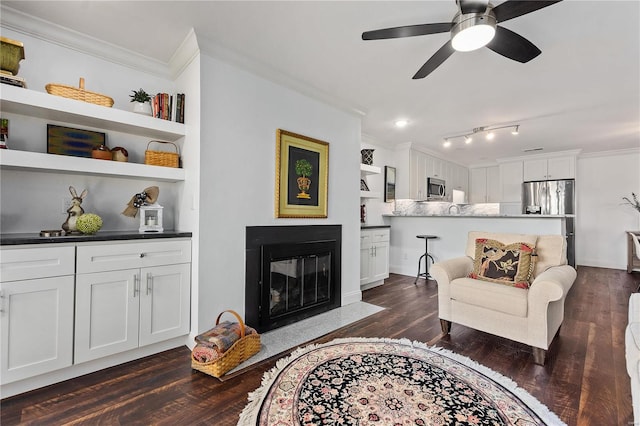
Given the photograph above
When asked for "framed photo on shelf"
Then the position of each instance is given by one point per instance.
(389, 184)
(302, 171)
(363, 185)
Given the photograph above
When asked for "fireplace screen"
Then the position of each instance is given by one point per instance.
(298, 283)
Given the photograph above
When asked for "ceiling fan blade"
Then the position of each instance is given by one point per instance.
(435, 61)
(513, 46)
(513, 8)
(473, 6)
(407, 31)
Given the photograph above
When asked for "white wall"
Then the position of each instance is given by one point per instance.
(240, 114)
(602, 218)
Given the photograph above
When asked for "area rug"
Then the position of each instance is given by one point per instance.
(364, 381)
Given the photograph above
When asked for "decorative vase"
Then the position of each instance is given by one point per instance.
(367, 156)
(303, 185)
(142, 108)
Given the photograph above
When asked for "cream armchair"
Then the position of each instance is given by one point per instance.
(531, 316)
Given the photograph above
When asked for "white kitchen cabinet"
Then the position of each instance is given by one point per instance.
(549, 168)
(129, 295)
(36, 311)
(374, 257)
(484, 185)
(511, 182)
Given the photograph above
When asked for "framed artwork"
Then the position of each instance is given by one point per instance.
(302, 171)
(75, 142)
(389, 184)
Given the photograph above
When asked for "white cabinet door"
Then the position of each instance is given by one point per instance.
(36, 322)
(561, 168)
(107, 311)
(164, 302)
(511, 182)
(478, 185)
(380, 263)
(365, 264)
(535, 170)
(494, 191)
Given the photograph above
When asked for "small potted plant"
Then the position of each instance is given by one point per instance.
(635, 203)
(140, 100)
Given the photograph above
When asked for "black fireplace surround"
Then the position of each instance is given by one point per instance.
(292, 273)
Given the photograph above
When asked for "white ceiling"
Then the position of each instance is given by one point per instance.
(582, 92)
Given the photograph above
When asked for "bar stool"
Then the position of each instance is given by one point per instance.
(426, 256)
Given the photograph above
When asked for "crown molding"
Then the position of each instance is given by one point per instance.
(269, 73)
(74, 40)
(612, 153)
(184, 54)
(570, 153)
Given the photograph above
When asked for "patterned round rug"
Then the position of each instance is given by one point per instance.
(361, 381)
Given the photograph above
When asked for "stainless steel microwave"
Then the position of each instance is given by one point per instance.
(435, 189)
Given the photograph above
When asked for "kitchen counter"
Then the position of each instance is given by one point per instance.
(374, 226)
(452, 232)
(487, 216)
(35, 238)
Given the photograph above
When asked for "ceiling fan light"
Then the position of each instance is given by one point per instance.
(472, 31)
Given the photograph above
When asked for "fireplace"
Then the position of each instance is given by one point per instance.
(292, 273)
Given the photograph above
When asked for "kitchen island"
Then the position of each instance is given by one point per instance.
(452, 231)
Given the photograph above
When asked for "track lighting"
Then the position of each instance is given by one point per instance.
(488, 130)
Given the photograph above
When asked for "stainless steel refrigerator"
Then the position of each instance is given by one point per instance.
(553, 197)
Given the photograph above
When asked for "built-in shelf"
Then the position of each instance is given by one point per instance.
(51, 163)
(369, 194)
(42, 105)
(365, 169)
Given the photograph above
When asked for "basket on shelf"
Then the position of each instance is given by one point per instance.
(243, 349)
(162, 158)
(79, 94)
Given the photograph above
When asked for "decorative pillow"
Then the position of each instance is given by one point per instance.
(510, 264)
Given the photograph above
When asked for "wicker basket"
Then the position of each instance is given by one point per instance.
(240, 351)
(79, 94)
(162, 158)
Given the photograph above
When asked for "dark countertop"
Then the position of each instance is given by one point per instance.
(35, 238)
(374, 226)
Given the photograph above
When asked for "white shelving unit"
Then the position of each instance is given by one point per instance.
(41, 105)
(366, 170)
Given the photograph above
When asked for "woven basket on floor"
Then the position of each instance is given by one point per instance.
(240, 351)
(79, 94)
(162, 158)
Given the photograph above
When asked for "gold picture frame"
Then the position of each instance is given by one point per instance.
(302, 176)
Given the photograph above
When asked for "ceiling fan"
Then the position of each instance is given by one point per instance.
(473, 26)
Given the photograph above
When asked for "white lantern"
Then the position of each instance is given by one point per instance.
(150, 218)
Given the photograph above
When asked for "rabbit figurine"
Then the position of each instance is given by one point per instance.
(69, 226)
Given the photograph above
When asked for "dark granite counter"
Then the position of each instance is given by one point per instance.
(374, 226)
(35, 238)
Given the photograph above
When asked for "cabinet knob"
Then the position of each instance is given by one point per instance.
(141, 255)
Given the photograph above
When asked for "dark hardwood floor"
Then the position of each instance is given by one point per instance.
(584, 381)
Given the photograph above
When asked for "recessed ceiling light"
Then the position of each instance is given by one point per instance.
(446, 143)
(401, 123)
(468, 139)
(490, 136)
